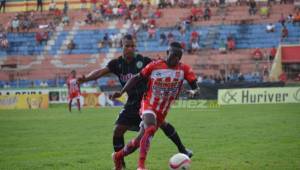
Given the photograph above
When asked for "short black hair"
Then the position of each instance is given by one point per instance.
(176, 45)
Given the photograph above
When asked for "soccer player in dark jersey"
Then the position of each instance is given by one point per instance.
(125, 67)
(165, 80)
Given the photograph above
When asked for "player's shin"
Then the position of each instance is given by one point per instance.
(170, 131)
(118, 143)
(78, 104)
(145, 145)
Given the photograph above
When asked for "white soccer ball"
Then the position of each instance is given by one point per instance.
(179, 161)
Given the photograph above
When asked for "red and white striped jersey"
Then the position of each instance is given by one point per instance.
(73, 86)
(164, 85)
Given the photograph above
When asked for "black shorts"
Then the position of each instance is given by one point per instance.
(130, 118)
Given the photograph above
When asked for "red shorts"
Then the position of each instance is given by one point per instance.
(74, 95)
(146, 108)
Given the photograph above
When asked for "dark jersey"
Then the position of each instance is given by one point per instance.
(125, 71)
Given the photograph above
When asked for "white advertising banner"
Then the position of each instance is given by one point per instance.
(56, 95)
(259, 95)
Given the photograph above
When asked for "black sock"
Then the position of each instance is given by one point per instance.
(170, 131)
(118, 143)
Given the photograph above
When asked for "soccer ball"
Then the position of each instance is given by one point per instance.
(179, 161)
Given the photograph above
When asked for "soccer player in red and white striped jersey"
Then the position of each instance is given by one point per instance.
(165, 80)
(73, 90)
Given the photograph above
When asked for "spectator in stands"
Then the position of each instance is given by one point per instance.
(151, 32)
(195, 46)
(264, 11)
(66, 7)
(51, 26)
(284, 33)
(2, 5)
(290, 18)
(57, 15)
(170, 37)
(272, 53)
(144, 23)
(89, 18)
(270, 28)
(157, 13)
(282, 20)
(252, 7)
(83, 4)
(15, 24)
(98, 17)
(207, 13)
(26, 24)
(162, 39)
(196, 13)
(257, 54)
(41, 36)
(39, 5)
(222, 47)
(52, 5)
(71, 46)
(3, 40)
(195, 36)
(230, 43)
(66, 20)
(164, 4)
(94, 4)
(296, 19)
(106, 40)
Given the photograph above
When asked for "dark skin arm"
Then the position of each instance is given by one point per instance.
(130, 83)
(94, 75)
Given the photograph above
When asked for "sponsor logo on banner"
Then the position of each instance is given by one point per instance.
(56, 95)
(259, 95)
(24, 101)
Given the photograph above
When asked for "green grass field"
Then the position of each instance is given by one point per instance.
(250, 137)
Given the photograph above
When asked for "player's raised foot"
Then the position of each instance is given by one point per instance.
(117, 161)
(188, 152)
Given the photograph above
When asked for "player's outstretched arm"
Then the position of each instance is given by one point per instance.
(130, 83)
(94, 75)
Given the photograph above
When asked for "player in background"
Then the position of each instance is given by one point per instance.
(125, 67)
(165, 79)
(73, 90)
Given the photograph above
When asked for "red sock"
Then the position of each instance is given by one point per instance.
(128, 149)
(145, 145)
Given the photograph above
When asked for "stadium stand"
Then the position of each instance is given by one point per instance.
(248, 32)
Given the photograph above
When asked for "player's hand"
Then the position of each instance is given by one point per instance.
(193, 93)
(116, 95)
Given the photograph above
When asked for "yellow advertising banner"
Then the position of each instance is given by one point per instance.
(259, 95)
(25, 101)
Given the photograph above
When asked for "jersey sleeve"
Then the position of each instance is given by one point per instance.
(146, 72)
(113, 66)
(189, 74)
